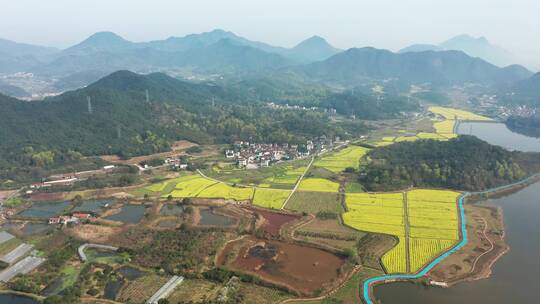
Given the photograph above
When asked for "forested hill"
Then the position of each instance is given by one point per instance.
(464, 163)
(120, 120)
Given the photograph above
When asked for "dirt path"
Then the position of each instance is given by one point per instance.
(407, 232)
(298, 182)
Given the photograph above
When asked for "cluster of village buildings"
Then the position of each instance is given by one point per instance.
(254, 155)
(74, 218)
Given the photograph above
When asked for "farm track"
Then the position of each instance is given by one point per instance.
(298, 183)
(407, 233)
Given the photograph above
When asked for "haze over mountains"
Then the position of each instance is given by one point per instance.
(223, 56)
(475, 47)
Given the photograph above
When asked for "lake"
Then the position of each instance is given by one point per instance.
(499, 134)
(515, 275)
(130, 214)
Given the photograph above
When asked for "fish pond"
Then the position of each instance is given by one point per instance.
(129, 214)
(92, 206)
(209, 218)
(45, 210)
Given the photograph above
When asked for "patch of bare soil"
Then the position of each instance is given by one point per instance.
(94, 233)
(300, 268)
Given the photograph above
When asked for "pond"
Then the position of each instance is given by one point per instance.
(171, 209)
(45, 209)
(92, 206)
(209, 218)
(35, 228)
(54, 287)
(16, 299)
(130, 273)
(130, 214)
(515, 275)
(112, 288)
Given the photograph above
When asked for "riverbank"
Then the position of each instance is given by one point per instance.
(475, 260)
(368, 285)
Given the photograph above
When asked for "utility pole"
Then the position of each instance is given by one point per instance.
(89, 101)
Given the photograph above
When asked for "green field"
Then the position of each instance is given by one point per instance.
(345, 158)
(282, 176)
(318, 185)
(270, 198)
(313, 202)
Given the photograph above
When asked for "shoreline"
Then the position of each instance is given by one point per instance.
(368, 285)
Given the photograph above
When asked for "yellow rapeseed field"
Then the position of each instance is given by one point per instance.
(270, 198)
(318, 185)
(221, 190)
(339, 161)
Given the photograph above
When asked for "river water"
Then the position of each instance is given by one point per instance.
(515, 276)
(15, 299)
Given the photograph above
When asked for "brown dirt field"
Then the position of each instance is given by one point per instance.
(44, 197)
(273, 221)
(327, 233)
(331, 227)
(93, 233)
(7, 193)
(301, 268)
(142, 288)
(177, 149)
(486, 244)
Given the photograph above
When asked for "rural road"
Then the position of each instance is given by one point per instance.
(298, 183)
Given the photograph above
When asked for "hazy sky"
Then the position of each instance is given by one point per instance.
(391, 24)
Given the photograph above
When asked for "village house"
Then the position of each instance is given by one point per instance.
(66, 219)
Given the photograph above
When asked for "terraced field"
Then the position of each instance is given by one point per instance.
(345, 158)
(429, 229)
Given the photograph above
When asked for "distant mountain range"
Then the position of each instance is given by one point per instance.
(526, 91)
(440, 68)
(225, 57)
(217, 51)
(475, 47)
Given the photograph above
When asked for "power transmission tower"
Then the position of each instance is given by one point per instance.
(118, 131)
(147, 96)
(89, 100)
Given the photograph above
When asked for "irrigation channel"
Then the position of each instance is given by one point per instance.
(368, 284)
